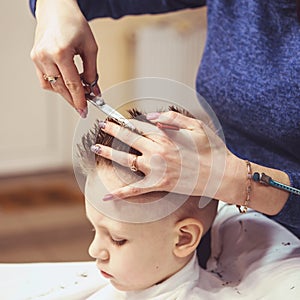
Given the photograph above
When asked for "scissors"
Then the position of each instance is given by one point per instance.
(99, 102)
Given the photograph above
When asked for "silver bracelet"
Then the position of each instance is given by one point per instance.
(267, 180)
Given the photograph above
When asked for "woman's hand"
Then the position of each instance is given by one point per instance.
(192, 161)
(188, 161)
(61, 33)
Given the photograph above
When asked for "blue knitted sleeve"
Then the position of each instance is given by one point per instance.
(289, 216)
(118, 8)
(250, 76)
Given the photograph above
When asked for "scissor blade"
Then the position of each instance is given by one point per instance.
(111, 112)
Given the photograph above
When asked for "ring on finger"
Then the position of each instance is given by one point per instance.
(133, 166)
(51, 78)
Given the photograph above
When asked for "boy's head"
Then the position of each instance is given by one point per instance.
(136, 256)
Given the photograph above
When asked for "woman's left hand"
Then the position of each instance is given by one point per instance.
(189, 161)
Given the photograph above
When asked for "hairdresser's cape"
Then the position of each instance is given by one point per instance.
(252, 258)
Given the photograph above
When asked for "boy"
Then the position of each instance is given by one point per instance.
(156, 260)
(141, 260)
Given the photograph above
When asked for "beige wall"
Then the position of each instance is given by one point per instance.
(116, 41)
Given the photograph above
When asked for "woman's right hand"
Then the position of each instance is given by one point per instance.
(61, 33)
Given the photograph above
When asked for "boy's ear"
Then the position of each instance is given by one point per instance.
(188, 235)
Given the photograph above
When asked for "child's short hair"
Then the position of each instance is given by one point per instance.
(96, 136)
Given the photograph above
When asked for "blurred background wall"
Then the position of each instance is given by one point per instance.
(41, 207)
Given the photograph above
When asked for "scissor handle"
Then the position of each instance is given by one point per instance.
(89, 86)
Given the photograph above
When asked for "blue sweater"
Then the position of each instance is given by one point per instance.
(249, 74)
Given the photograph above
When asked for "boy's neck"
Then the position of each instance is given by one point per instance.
(182, 262)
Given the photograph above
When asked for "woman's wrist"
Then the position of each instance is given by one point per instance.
(43, 6)
(235, 185)
(232, 188)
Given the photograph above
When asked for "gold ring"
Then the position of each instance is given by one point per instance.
(134, 167)
(51, 78)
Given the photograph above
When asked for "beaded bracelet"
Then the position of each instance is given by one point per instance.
(243, 208)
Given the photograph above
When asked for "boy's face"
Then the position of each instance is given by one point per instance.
(132, 256)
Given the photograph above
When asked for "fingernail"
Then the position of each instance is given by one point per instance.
(108, 197)
(152, 116)
(102, 124)
(96, 149)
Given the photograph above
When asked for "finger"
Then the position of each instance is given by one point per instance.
(125, 135)
(48, 68)
(175, 119)
(44, 67)
(129, 191)
(57, 86)
(44, 83)
(90, 86)
(73, 83)
(89, 61)
(123, 158)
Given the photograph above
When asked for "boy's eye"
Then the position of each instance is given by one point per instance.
(118, 242)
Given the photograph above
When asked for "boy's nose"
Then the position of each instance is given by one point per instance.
(103, 255)
(98, 252)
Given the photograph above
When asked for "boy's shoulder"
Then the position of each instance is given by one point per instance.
(251, 250)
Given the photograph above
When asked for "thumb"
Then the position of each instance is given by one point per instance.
(90, 75)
